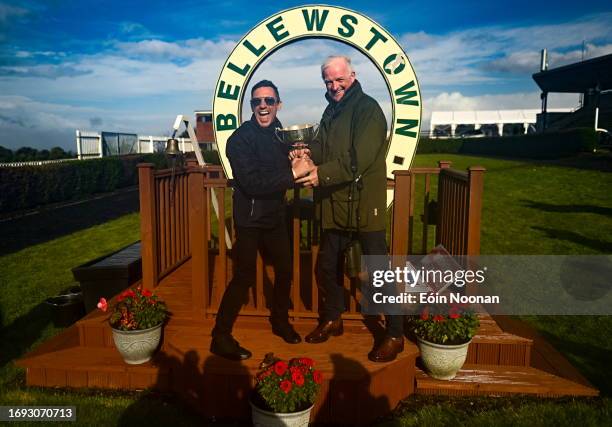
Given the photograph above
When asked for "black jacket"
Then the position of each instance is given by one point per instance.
(262, 175)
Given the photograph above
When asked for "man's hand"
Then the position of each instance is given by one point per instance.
(310, 180)
(301, 166)
(299, 153)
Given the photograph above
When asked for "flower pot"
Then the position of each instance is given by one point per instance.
(442, 361)
(262, 418)
(137, 346)
(67, 308)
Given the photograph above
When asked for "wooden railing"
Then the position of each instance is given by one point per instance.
(456, 212)
(456, 215)
(164, 222)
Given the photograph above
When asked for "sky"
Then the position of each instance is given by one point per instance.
(132, 66)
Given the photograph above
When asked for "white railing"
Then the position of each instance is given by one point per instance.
(34, 163)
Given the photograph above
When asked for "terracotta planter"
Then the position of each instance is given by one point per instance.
(137, 347)
(262, 418)
(442, 361)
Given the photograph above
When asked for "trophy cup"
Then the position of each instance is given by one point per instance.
(297, 136)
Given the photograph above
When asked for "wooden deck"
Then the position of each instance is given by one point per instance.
(355, 389)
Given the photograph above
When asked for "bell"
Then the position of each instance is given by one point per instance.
(172, 147)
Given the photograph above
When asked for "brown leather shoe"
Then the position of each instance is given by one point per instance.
(387, 350)
(325, 329)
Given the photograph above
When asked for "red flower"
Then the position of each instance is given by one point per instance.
(453, 313)
(285, 386)
(280, 368)
(438, 318)
(147, 293)
(425, 313)
(317, 376)
(298, 378)
(102, 304)
(307, 361)
(128, 293)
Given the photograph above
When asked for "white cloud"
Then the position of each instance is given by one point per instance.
(191, 49)
(467, 57)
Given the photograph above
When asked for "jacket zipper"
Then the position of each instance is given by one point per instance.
(252, 206)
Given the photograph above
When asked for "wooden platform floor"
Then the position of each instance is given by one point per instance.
(504, 358)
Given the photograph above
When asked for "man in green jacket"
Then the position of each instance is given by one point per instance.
(352, 192)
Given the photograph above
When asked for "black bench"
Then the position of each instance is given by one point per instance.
(108, 275)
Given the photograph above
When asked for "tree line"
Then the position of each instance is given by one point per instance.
(28, 154)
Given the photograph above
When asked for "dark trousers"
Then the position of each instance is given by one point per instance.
(331, 270)
(275, 242)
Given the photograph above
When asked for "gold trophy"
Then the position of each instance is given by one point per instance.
(297, 136)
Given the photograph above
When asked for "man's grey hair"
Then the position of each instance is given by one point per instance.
(333, 58)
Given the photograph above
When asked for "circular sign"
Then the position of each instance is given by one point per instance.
(329, 22)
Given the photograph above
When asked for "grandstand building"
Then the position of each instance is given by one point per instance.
(591, 78)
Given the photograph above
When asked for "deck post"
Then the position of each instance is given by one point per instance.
(148, 225)
(402, 210)
(476, 183)
(198, 232)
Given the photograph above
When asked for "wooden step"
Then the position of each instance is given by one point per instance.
(493, 346)
(498, 380)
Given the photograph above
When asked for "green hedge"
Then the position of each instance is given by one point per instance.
(31, 186)
(550, 145)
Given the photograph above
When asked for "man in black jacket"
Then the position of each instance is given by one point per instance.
(262, 174)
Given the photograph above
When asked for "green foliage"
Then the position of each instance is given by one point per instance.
(31, 186)
(550, 145)
(443, 324)
(6, 155)
(446, 145)
(288, 387)
(136, 309)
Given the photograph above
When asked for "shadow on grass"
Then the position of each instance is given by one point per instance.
(548, 207)
(49, 224)
(598, 245)
(18, 337)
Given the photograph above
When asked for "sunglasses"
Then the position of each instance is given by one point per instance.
(269, 100)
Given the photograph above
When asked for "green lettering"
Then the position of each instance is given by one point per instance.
(227, 93)
(377, 36)
(314, 19)
(404, 95)
(242, 71)
(275, 30)
(256, 51)
(347, 22)
(225, 122)
(405, 130)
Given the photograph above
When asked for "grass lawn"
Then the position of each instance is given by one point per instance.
(529, 208)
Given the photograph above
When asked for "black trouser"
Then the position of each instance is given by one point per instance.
(331, 268)
(275, 241)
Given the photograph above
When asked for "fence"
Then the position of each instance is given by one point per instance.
(34, 163)
(91, 144)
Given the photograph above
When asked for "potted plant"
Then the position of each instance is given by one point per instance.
(285, 392)
(136, 321)
(443, 335)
